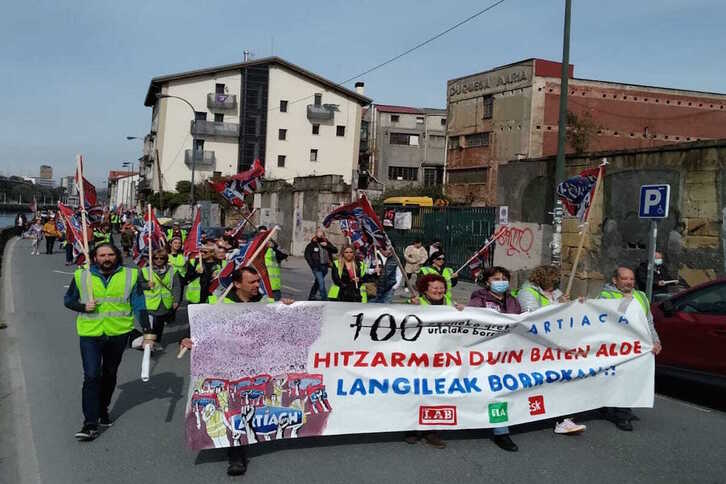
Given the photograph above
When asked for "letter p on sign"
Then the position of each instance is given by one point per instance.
(654, 201)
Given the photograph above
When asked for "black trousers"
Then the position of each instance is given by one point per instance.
(101, 356)
(159, 323)
(237, 454)
(49, 242)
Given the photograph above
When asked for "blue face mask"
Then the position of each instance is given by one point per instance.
(499, 286)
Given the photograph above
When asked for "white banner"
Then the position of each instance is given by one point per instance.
(263, 372)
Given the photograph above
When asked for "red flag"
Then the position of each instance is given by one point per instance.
(577, 192)
(89, 191)
(194, 239)
(74, 232)
(241, 258)
(234, 188)
(150, 234)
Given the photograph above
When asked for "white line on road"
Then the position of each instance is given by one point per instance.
(689, 405)
(67, 273)
(290, 288)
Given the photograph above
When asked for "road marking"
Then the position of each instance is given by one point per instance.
(689, 405)
(67, 285)
(67, 273)
(290, 288)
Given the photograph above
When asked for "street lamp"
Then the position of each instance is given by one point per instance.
(194, 115)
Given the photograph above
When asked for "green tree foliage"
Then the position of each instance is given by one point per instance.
(581, 130)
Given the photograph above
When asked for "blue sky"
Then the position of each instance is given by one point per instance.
(75, 73)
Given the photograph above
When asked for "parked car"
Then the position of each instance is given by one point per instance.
(692, 329)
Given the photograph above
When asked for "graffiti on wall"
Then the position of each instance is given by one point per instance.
(515, 240)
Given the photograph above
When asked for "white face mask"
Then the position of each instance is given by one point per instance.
(658, 261)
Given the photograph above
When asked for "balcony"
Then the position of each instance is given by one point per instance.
(324, 112)
(213, 128)
(203, 160)
(221, 101)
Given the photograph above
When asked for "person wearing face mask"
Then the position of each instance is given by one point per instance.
(661, 278)
(437, 265)
(495, 295)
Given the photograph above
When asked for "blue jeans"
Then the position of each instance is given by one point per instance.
(385, 298)
(319, 285)
(500, 430)
(101, 356)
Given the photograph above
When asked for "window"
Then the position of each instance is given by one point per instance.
(313, 155)
(419, 119)
(340, 130)
(200, 116)
(219, 88)
(281, 161)
(401, 173)
(283, 106)
(478, 139)
(488, 107)
(443, 121)
(709, 300)
(454, 143)
(476, 175)
(433, 176)
(198, 145)
(394, 118)
(316, 129)
(404, 139)
(282, 134)
(218, 118)
(318, 99)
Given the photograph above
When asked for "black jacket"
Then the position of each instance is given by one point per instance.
(387, 279)
(312, 254)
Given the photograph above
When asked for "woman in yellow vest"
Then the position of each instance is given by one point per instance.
(107, 298)
(349, 278)
(176, 257)
(539, 291)
(437, 265)
(162, 291)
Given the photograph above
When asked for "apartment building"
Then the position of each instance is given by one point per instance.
(406, 145)
(511, 112)
(220, 119)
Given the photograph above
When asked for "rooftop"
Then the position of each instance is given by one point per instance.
(156, 82)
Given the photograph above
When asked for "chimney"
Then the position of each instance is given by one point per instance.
(360, 88)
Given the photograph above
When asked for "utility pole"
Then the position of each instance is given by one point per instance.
(561, 140)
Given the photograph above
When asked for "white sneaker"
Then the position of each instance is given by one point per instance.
(136, 343)
(567, 426)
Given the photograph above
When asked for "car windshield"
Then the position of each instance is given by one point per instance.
(709, 300)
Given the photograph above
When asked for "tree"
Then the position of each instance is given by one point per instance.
(581, 130)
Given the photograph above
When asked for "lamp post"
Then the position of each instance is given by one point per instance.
(194, 115)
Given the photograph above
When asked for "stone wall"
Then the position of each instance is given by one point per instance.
(299, 208)
(692, 237)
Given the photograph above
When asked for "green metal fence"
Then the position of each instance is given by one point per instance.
(461, 231)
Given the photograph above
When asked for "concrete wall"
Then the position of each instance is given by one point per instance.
(521, 248)
(692, 237)
(300, 207)
(336, 154)
(174, 135)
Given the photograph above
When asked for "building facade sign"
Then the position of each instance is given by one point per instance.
(514, 77)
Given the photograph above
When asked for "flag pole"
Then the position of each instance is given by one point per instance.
(151, 268)
(247, 218)
(485, 246)
(249, 260)
(585, 228)
(84, 224)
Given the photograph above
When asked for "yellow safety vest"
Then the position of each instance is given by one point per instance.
(639, 296)
(113, 315)
(425, 302)
(335, 289)
(447, 274)
(192, 293)
(541, 299)
(273, 269)
(178, 263)
(161, 290)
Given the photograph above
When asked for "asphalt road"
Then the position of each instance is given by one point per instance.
(40, 381)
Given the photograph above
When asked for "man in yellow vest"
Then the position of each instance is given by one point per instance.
(176, 231)
(246, 290)
(623, 287)
(107, 298)
(162, 292)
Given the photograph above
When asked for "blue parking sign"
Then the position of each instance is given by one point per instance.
(654, 201)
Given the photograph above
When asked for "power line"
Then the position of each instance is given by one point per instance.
(406, 52)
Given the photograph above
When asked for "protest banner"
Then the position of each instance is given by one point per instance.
(270, 371)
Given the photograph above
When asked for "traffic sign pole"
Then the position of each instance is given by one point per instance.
(651, 257)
